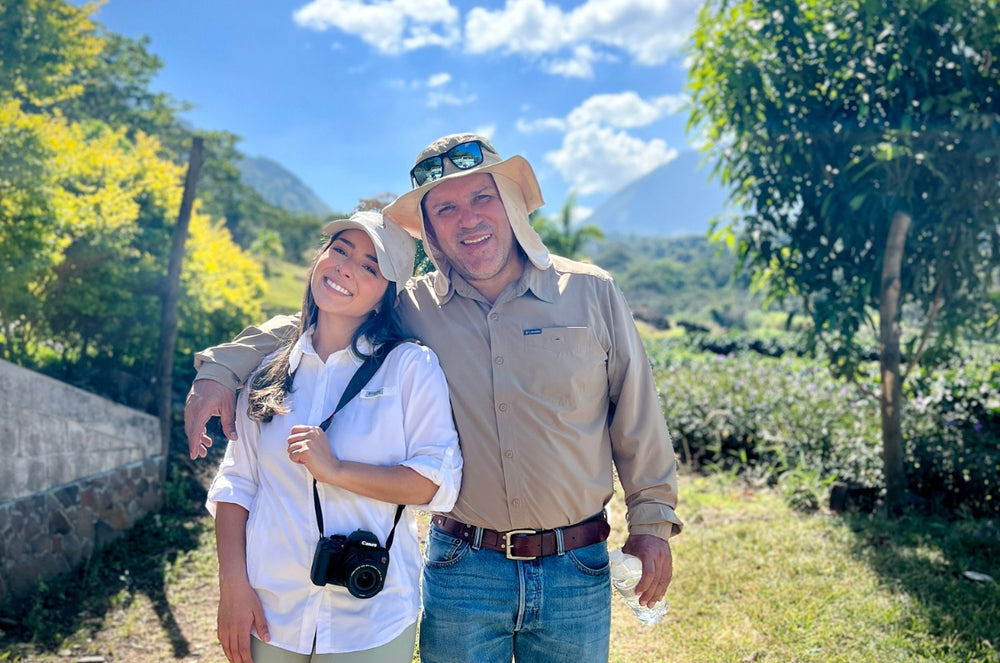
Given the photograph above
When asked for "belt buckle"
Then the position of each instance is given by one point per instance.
(510, 544)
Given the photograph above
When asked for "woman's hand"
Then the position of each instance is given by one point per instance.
(309, 446)
(239, 610)
(396, 484)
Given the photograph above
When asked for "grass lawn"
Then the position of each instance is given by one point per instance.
(753, 582)
(286, 283)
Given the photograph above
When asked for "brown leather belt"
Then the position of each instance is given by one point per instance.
(528, 544)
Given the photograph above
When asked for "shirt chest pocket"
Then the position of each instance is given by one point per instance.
(564, 364)
(578, 342)
(369, 429)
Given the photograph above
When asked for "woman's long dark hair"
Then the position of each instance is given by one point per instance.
(273, 382)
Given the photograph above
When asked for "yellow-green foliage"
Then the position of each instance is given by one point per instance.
(217, 273)
(89, 198)
(73, 180)
(48, 46)
(222, 287)
(102, 177)
(86, 217)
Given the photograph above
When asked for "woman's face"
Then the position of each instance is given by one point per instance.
(347, 282)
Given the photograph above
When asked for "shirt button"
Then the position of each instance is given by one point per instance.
(515, 502)
(508, 453)
(494, 316)
(498, 361)
(503, 407)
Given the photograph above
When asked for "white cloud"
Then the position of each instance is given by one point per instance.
(598, 154)
(626, 109)
(543, 124)
(522, 26)
(437, 80)
(392, 26)
(438, 95)
(436, 86)
(436, 99)
(595, 158)
(650, 31)
(581, 213)
(581, 65)
(569, 42)
(486, 131)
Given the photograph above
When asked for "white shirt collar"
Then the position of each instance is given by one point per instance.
(304, 346)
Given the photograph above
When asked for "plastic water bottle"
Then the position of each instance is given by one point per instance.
(626, 570)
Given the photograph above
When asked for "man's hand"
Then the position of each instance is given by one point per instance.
(657, 566)
(208, 399)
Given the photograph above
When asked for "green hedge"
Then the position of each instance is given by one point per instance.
(787, 419)
(952, 425)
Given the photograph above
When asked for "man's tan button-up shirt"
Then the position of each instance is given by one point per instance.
(549, 385)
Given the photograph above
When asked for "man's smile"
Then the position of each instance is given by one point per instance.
(476, 240)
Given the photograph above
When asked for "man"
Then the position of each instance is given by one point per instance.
(549, 384)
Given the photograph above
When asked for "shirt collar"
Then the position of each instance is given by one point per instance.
(543, 283)
(304, 346)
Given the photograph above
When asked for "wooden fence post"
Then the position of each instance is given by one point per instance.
(171, 293)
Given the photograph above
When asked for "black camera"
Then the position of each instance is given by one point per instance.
(357, 562)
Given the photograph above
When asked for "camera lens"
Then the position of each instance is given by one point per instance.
(365, 582)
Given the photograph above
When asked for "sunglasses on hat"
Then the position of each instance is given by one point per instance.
(464, 156)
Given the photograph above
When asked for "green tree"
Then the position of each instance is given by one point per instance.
(561, 236)
(57, 59)
(28, 231)
(863, 136)
(91, 164)
(221, 289)
(267, 246)
(115, 89)
(85, 222)
(46, 46)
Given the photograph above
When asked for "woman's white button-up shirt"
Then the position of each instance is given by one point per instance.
(401, 417)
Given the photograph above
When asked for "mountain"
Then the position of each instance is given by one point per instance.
(280, 187)
(675, 199)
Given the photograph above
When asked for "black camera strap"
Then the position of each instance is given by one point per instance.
(359, 380)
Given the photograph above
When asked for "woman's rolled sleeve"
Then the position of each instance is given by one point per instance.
(233, 489)
(445, 471)
(431, 439)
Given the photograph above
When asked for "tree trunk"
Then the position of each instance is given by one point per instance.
(171, 293)
(892, 392)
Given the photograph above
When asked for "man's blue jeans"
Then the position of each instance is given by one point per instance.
(480, 607)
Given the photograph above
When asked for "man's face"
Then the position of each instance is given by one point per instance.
(470, 226)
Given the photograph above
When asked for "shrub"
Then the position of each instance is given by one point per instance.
(787, 417)
(952, 418)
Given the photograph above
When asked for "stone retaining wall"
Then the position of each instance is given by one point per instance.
(77, 471)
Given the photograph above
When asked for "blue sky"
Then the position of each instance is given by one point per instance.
(345, 93)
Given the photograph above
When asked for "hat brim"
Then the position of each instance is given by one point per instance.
(396, 265)
(405, 210)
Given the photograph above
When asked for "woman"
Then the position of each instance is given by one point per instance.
(394, 443)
